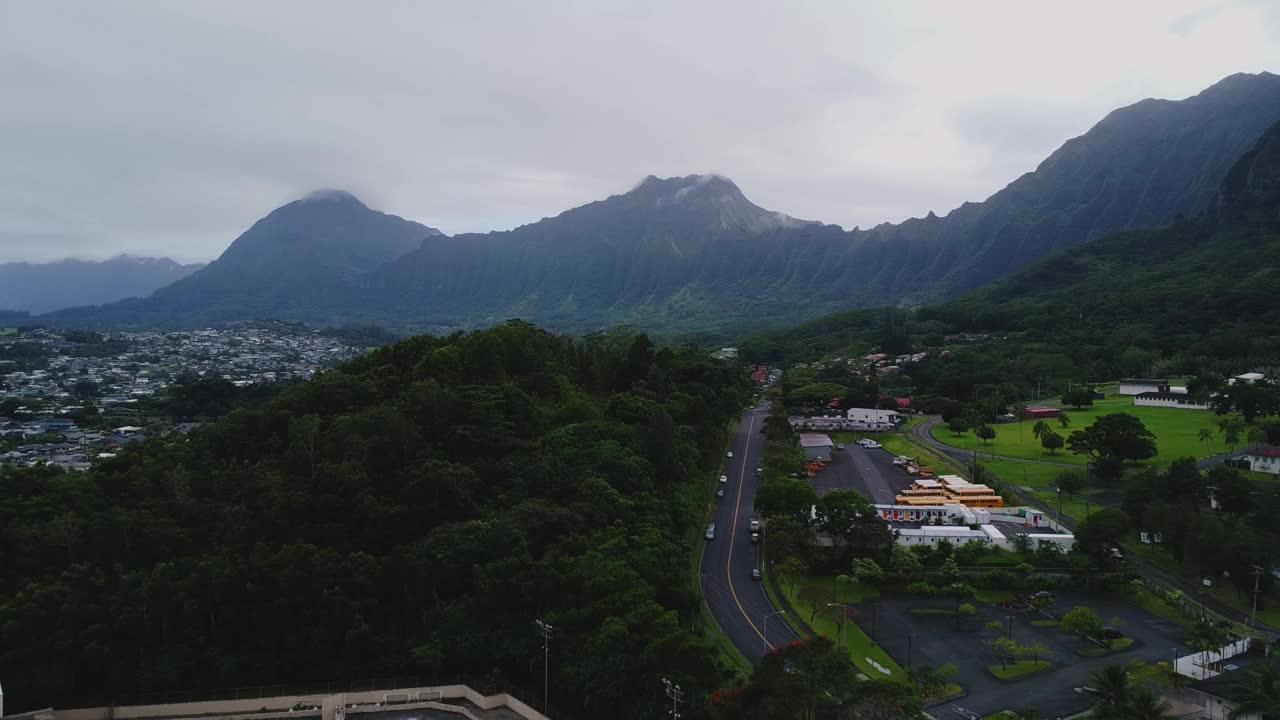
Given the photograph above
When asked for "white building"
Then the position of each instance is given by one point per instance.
(1248, 378)
(873, 416)
(1134, 386)
(958, 525)
(1170, 399)
(816, 446)
(1264, 459)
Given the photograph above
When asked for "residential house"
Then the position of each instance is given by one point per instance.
(1265, 458)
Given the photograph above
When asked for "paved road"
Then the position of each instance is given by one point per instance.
(738, 603)
(1137, 562)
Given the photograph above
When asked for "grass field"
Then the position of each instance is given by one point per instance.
(1016, 670)
(1176, 432)
(814, 593)
(4, 332)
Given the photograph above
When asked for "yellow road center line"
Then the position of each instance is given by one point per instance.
(733, 535)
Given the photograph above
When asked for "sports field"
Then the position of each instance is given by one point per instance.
(1176, 430)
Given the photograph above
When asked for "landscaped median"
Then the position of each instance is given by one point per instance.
(1019, 669)
(819, 609)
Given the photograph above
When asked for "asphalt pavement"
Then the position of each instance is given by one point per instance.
(937, 640)
(870, 472)
(739, 604)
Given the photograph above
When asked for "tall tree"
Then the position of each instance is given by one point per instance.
(1111, 441)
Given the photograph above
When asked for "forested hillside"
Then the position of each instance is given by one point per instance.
(1198, 295)
(411, 513)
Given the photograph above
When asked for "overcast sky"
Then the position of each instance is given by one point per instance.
(167, 128)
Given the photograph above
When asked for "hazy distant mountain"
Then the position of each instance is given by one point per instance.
(694, 254)
(41, 287)
(303, 260)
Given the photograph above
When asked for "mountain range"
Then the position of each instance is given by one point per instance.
(693, 254)
(41, 287)
(1198, 294)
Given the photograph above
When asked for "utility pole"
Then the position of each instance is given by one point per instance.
(1059, 488)
(1257, 576)
(677, 696)
(547, 631)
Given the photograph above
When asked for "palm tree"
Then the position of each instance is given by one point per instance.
(1039, 429)
(1257, 436)
(1259, 694)
(1064, 419)
(1145, 705)
(1111, 684)
(1206, 437)
(1207, 636)
(1231, 429)
(1021, 415)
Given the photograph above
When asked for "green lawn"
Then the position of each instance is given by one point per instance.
(1260, 476)
(4, 332)
(1176, 432)
(1114, 646)
(993, 596)
(931, 611)
(1018, 669)
(814, 593)
(1142, 672)
(1156, 605)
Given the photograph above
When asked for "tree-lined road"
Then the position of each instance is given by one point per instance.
(738, 603)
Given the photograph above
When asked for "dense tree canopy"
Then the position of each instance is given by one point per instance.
(412, 512)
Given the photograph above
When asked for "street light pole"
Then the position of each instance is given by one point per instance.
(1010, 619)
(874, 605)
(910, 636)
(677, 696)
(844, 616)
(547, 630)
(765, 648)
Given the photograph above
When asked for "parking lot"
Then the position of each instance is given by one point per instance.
(936, 640)
(870, 472)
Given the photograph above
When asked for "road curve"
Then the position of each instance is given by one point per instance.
(739, 604)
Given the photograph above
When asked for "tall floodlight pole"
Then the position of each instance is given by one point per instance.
(1253, 614)
(547, 631)
(677, 696)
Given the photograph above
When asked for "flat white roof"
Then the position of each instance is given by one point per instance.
(814, 440)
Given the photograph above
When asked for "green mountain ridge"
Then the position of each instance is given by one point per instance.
(1201, 292)
(693, 255)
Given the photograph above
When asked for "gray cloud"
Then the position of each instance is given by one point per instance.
(167, 128)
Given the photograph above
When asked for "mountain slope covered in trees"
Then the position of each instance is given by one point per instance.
(693, 254)
(1197, 295)
(412, 512)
